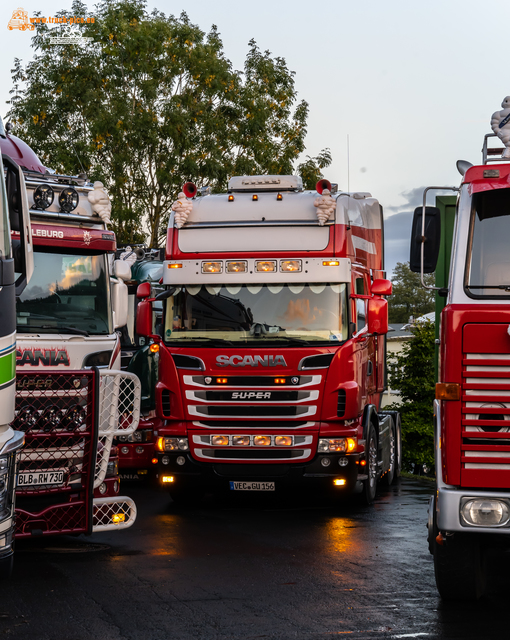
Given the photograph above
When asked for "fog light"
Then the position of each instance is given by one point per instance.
(212, 267)
(139, 450)
(167, 479)
(325, 462)
(283, 441)
(343, 462)
(240, 266)
(102, 488)
(241, 441)
(124, 450)
(339, 482)
(181, 460)
(290, 265)
(265, 265)
(165, 460)
(220, 441)
(485, 512)
(262, 441)
(118, 518)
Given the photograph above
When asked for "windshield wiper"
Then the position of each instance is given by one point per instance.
(212, 340)
(53, 327)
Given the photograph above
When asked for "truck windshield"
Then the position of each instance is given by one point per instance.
(488, 260)
(257, 313)
(68, 293)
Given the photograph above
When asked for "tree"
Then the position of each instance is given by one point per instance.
(409, 298)
(412, 373)
(152, 103)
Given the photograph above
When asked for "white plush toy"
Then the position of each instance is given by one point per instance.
(325, 205)
(500, 123)
(128, 255)
(100, 202)
(182, 208)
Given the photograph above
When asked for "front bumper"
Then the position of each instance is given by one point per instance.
(285, 475)
(448, 510)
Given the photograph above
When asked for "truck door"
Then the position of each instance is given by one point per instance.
(367, 342)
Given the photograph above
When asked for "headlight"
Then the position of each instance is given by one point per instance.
(172, 444)
(485, 512)
(68, 199)
(342, 445)
(43, 197)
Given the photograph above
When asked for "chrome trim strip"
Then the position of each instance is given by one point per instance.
(199, 454)
(311, 412)
(307, 425)
(314, 395)
(188, 380)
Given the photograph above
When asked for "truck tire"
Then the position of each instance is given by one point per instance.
(367, 495)
(391, 475)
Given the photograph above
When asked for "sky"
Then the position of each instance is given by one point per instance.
(410, 85)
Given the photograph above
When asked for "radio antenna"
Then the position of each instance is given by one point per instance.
(348, 166)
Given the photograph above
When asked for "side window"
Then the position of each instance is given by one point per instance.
(359, 288)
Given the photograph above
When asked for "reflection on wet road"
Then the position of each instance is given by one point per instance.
(245, 567)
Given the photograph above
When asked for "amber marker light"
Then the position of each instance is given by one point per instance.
(118, 518)
(154, 348)
(280, 380)
(175, 265)
(339, 482)
(351, 444)
(363, 463)
(221, 380)
(255, 197)
(154, 461)
(447, 391)
(231, 198)
(279, 197)
(167, 479)
(331, 263)
(160, 445)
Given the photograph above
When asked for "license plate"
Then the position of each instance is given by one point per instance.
(40, 477)
(252, 486)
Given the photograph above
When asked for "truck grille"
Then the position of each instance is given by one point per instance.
(57, 413)
(485, 419)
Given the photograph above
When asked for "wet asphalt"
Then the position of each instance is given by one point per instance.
(250, 567)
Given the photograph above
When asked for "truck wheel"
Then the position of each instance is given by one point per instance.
(391, 474)
(459, 566)
(367, 495)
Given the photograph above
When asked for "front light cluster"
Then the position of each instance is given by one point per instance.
(51, 418)
(485, 512)
(172, 444)
(338, 445)
(141, 435)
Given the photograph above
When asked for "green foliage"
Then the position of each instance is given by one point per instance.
(412, 372)
(311, 170)
(152, 102)
(409, 298)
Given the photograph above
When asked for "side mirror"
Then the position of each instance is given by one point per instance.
(168, 293)
(377, 316)
(143, 291)
(432, 240)
(19, 219)
(381, 287)
(120, 302)
(122, 270)
(144, 317)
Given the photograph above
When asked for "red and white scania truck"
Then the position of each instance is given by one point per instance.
(464, 239)
(71, 401)
(272, 349)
